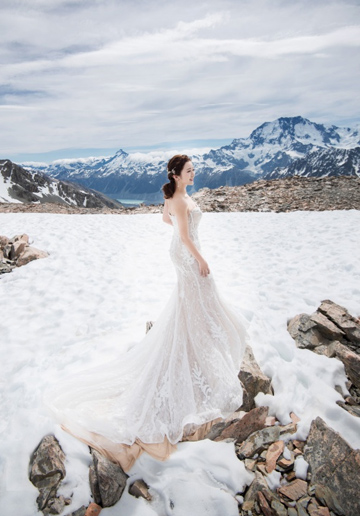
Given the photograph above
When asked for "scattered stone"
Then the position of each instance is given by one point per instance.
(107, 480)
(342, 319)
(295, 490)
(272, 455)
(250, 464)
(257, 441)
(140, 489)
(253, 380)
(46, 471)
(335, 469)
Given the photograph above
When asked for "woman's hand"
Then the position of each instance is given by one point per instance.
(203, 268)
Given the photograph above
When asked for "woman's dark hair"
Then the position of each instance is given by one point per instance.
(174, 168)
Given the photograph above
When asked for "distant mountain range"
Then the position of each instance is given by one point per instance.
(20, 185)
(284, 147)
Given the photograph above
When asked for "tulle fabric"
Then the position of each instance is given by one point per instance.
(181, 376)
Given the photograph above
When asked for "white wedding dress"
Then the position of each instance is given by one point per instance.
(183, 373)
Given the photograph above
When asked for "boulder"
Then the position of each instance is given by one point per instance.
(30, 254)
(335, 469)
(17, 248)
(107, 480)
(253, 380)
(3, 241)
(46, 472)
(305, 332)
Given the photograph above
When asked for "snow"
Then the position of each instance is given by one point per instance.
(301, 467)
(107, 275)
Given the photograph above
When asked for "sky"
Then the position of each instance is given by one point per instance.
(88, 77)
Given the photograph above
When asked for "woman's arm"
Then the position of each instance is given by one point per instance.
(181, 212)
(166, 218)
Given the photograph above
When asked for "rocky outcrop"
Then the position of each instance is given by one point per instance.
(333, 332)
(47, 470)
(284, 195)
(334, 468)
(16, 252)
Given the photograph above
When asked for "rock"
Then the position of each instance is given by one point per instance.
(341, 318)
(253, 380)
(305, 333)
(3, 241)
(258, 485)
(335, 469)
(264, 506)
(46, 472)
(351, 362)
(301, 510)
(273, 453)
(295, 490)
(257, 441)
(216, 430)
(79, 512)
(313, 510)
(107, 480)
(242, 428)
(5, 268)
(17, 248)
(93, 510)
(30, 254)
(326, 327)
(23, 238)
(140, 489)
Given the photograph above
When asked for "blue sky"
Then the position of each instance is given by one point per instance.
(89, 76)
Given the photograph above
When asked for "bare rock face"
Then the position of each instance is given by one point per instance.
(107, 480)
(253, 380)
(46, 473)
(335, 469)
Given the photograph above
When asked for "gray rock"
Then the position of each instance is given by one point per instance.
(341, 318)
(79, 512)
(258, 441)
(335, 469)
(305, 332)
(107, 480)
(253, 380)
(46, 472)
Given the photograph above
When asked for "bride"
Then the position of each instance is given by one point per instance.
(183, 376)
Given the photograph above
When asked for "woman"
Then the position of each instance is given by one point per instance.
(182, 377)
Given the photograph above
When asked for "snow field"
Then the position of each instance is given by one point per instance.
(107, 275)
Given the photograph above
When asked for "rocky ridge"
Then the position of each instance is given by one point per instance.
(272, 146)
(278, 195)
(23, 186)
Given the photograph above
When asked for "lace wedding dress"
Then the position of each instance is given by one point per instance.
(183, 374)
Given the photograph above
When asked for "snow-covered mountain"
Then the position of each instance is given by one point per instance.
(322, 163)
(272, 146)
(20, 185)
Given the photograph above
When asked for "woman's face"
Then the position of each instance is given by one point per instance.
(187, 174)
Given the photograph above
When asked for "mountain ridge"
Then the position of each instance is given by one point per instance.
(273, 146)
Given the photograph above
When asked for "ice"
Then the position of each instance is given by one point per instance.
(107, 275)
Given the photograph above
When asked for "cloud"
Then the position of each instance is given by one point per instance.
(98, 74)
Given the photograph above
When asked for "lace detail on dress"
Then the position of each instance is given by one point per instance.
(182, 374)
